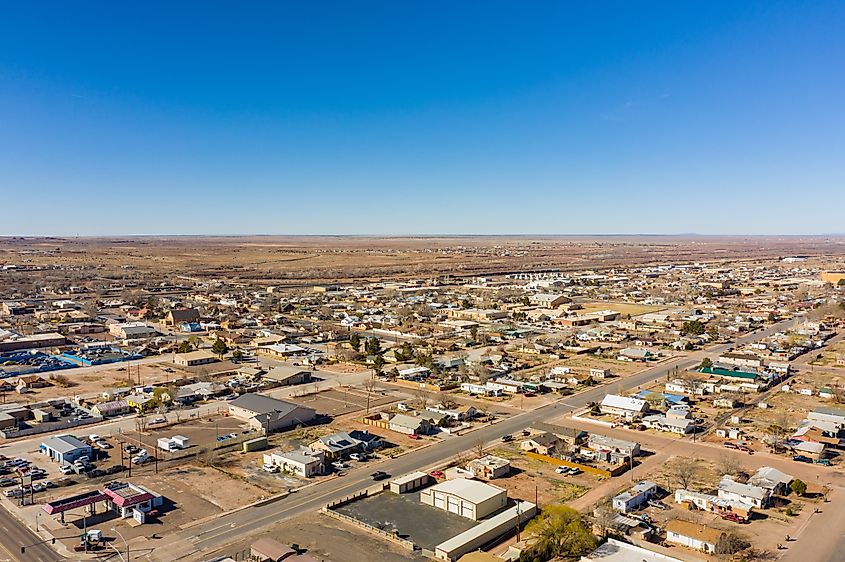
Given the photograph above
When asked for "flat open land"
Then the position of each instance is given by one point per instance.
(298, 260)
(620, 307)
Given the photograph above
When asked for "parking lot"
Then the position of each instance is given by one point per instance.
(423, 524)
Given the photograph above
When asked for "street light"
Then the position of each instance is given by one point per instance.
(128, 558)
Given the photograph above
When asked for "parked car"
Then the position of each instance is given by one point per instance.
(802, 458)
(131, 449)
(414, 436)
(507, 438)
(267, 467)
(158, 420)
(358, 457)
(65, 469)
(823, 462)
(437, 474)
(575, 471)
(562, 470)
(339, 465)
(379, 475)
(730, 445)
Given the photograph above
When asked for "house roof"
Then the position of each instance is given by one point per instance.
(261, 404)
(728, 484)
(403, 420)
(184, 314)
(272, 549)
(64, 443)
(768, 474)
(624, 403)
(693, 531)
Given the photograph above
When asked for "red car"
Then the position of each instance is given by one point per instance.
(414, 436)
(437, 474)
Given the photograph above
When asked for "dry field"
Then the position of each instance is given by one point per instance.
(283, 260)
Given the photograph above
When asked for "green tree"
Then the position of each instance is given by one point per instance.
(355, 341)
(473, 332)
(237, 355)
(693, 328)
(405, 352)
(220, 348)
(466, 304)
(184, 347)
(372, 346)
(378, 364)
(706, 363)
(525, 300)
(798, 486)
(559, 531)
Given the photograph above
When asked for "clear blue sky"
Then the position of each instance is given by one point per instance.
(421, 117)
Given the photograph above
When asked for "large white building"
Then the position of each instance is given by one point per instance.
(468, 498)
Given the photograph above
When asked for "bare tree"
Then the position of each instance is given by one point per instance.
(727, 464)
(684, 470)
(478, 447)
(423, 397)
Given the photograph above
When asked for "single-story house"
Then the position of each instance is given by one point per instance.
(270, 414)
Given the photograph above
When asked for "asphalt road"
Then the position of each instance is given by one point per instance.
(220, 531)
(15, 535)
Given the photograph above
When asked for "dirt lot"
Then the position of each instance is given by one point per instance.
(530, 478)
(89, 381)
(583, 364)
(342, 401)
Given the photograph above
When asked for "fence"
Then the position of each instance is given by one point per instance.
(613, 471)
(376, 421)
(426, 386)
(404, 543)
(47, 427)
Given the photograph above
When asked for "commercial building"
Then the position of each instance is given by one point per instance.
(623, 406)
(303, 462)
(194, 358)
(270, 414)
(64, 449)
(409, 482)
(468, 498)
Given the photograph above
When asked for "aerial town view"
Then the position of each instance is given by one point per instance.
(461, 282)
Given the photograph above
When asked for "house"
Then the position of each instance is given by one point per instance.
(599, 374)
(549, 300)
(637, 496)
(711, 503)
(286, 376)
(111, 408)
(64, 449)
(489, 467)
(132, 330)
(772, 480)
(621, 447)
(468, 498)
(833, 415)
(458, 414)
(480, 389)
(738, 359)
(337, 446)
(693, 535)
(634, 354)
(623, 406)
(282, 350)
(369, 441)
(32, 381)
(617, 551)
(543, 443)
(303, 462)
(749, 494)
(508, 386)
(178, 316)
(140, 402)
(269, 414)
(194, 358)
(410, 425)
(670, 424)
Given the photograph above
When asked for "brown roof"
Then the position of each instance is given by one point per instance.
(266, 548)
(694, 530)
